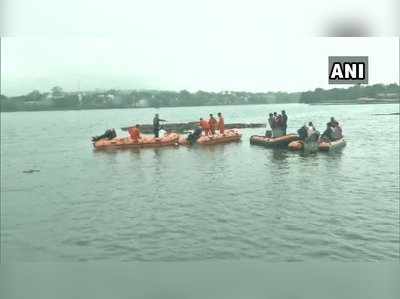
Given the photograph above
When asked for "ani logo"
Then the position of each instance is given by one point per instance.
(348, 69)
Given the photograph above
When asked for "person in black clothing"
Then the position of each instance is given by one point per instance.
(333, 122)
(192, 137)
(108, 134)
(302, 132)
(284, 121)
(156, 125)
(328, 133)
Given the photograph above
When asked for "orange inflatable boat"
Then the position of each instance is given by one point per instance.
(322, 146)
(146, 141)
(296, 145)
(282, 141)
(229, 136)
(328, 146)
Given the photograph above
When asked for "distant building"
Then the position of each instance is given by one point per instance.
(142, 103)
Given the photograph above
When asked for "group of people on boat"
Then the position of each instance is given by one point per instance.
(332, 132)
(210, 126)
(277, 123)
(135, 134)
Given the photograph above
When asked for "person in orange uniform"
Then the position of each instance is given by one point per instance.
(213, 124)
(205, 126)
(221, 123)
(135, 133)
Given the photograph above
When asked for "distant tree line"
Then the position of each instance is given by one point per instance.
(352, 94)
(58, 99)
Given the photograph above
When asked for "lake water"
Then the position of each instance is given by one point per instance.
(233, 201)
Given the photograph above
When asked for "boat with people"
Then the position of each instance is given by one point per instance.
(276, 137)
(170, 139)
(227, 137)
(323, 146)
(311, 141)
(184, 127)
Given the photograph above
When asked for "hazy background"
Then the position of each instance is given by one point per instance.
(197, 17)
(211, 62)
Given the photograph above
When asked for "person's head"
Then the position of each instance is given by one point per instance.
(270, 115)
(201, 118)
(310, 124)
(211, 115)
(275, 114)
(156, 115)
(219, 114)
(137, 126)
(283, 112)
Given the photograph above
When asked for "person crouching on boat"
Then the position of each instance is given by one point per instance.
(333, 122)
(213, 124)
(328, 133)
(338, 131)
(205, 126)
(192, 137)
(108, 134)
(135, 133)
(302, 132)
(221, 123)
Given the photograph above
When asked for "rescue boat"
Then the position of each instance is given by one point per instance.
(332, 145)
(170, 139)
(296, 145)
(282, 141)
(324, 146)
(228, 136)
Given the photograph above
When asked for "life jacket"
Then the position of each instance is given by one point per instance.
(221, 123)
(134, 133)
(213, 122)
(204, 124)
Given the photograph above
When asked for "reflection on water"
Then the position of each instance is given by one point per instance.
(231, 201)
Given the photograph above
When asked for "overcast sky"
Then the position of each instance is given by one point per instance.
(195, 62)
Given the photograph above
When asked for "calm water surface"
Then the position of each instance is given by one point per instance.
(233, 201)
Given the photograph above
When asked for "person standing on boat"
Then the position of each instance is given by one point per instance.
(271, 121)
(221, 123)
(275, 118)
(284, 121)
(135, 133)
(213, 124)
(156, 125)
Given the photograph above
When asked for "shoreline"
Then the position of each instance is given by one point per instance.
(283, 103)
